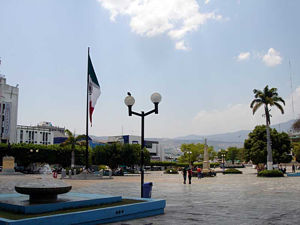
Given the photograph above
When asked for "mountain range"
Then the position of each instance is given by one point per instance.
(218, 141)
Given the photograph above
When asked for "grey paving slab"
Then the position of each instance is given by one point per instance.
(225, 199)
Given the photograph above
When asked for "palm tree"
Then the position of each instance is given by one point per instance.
(72, 140)
(267, 98)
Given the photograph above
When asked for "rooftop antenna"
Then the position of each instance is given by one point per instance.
(293, 109)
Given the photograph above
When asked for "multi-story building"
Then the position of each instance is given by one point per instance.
(34, 135)
(8, 111)
(42, 134)
(154, 148)
(57, 131)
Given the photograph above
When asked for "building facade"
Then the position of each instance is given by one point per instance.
(34, 135)
(57, 131)
(154, 148)
(9, 96)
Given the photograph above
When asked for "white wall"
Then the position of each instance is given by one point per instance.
(10, 94)
(41, 136)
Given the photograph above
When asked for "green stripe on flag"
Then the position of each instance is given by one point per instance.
(92, 73)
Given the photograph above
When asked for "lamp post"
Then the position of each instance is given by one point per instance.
(189, 152)
(129, 101)
(223, 161)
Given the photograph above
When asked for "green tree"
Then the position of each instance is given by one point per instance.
(296, 151)
(241, 154)
(256, 148)
(267, 98)
(72, 141)
(296, 125)
(195, 152)
(232, 154)
(220, 153)
(118, 154)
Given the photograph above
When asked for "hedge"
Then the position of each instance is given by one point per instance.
(51, 154)
(178, 164)
(270, 173)
(232, 171)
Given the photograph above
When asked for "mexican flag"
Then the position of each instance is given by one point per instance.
(94, 88)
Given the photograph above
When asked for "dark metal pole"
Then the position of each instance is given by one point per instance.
(87, 116)
(142, 154)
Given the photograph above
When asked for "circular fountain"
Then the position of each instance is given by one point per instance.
(45, 191)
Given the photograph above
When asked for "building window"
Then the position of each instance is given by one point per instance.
(21, 136)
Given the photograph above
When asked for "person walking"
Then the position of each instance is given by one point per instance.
(199, 172)
(293, 168)
(184, 175)
(190, 172)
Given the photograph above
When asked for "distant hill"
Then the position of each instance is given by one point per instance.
(238, 136)
(218, 141)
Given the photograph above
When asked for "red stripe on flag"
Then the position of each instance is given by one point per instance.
(91, 111)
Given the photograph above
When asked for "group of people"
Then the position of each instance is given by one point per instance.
(284, 169)
(189, 172)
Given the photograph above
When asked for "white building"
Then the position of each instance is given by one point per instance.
(8, 111)
(57, 131)
(154, 148)
(34, 135)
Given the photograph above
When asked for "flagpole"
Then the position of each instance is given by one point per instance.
(87, 116)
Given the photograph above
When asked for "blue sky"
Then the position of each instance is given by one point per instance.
(204, 57)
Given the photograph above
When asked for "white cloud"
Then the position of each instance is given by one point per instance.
(175, 18)
(272, 58)
(206, 2)
(243, 56)
(180, 45)
(240, 117)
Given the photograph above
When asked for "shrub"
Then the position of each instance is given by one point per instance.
(232, 171)
(270, 173)
(171, 171)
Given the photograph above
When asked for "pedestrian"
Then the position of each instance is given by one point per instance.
(190, 172)
(184, 175)
(199, 172)
(293, 168)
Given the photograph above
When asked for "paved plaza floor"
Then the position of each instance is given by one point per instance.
(224, 199)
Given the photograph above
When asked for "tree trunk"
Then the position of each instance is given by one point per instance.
(72, 159)
(269, 144)
(73, 156)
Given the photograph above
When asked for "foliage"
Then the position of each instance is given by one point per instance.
(296, 125)
(196, 153)
(72, 141)
(296, 151)
(118, 154)
(178, 164)
(270, 173)
(256, 147)
(171, 171)
(232, 171)
(267, 97)
(220, 153)
(163, 163)
(51, 154)
(232, 154)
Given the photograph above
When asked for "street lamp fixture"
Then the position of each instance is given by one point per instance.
(129, 101)
(223, 161)
(189, 152)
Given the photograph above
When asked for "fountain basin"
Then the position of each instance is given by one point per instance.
(43, 193)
